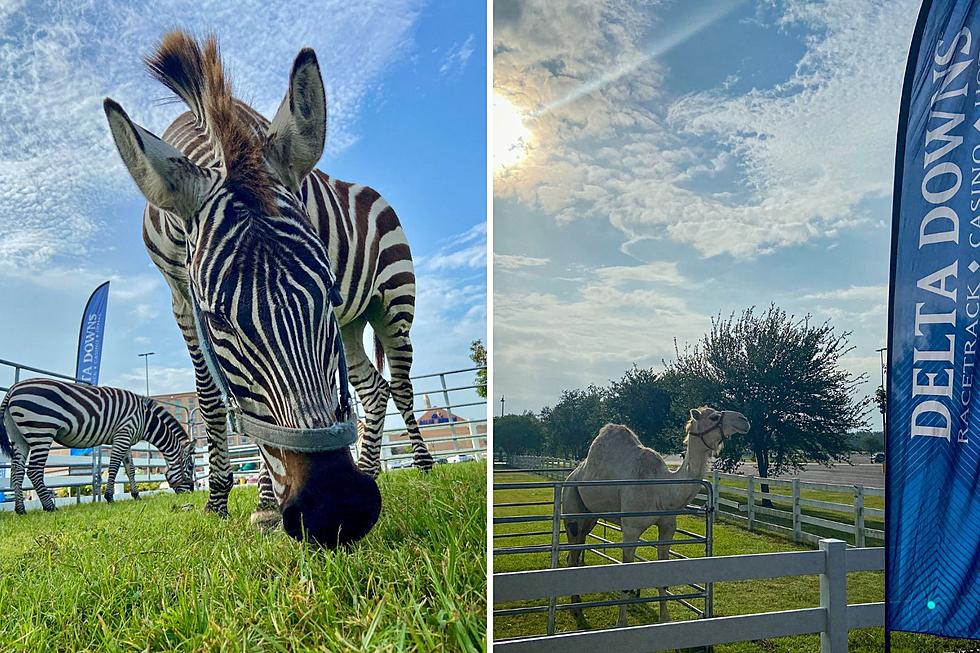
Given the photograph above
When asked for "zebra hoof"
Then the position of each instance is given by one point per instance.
(108, 498)
(136, 497)
(425, 466)
(20, 510)
(266, 520)
(220, 511)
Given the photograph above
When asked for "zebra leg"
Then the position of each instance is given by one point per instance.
(398, 350)
(17, 480)
(267, 515)
(220, 478)
(120, 450)
(372, 390)
(131, 474)
(36, 459)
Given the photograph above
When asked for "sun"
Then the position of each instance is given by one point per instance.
(510, 137)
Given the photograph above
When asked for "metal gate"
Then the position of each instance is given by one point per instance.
(552, 518)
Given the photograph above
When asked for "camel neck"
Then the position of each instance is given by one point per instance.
(695, 463)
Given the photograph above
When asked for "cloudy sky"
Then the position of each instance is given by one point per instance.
(682, 159)
(406, 87)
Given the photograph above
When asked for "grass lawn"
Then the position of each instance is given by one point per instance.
(160, 575)
(735, 598)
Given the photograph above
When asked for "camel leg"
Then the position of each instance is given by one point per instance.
(576, 532)
(631, 533)
(666, 533)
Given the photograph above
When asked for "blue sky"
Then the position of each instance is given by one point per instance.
(406, 87)
(730, 154)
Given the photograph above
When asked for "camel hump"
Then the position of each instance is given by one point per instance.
(616, 437)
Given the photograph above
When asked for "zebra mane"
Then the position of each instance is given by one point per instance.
(197, 76)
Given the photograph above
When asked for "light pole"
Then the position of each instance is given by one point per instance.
(501, 405)
(146, 366)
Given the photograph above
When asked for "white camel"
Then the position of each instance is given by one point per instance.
(616, 454)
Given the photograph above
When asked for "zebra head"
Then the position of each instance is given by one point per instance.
(259, 273)
(168, 435)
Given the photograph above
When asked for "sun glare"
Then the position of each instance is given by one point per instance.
(510, 137)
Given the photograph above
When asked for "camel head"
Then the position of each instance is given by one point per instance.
(713, 427)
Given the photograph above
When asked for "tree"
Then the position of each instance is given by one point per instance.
(640, 403)
(478, 354)
(519, 434)
(784, 374)
(574, 421)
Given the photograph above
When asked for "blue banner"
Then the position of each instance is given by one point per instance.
(932, 569)
(90, 336)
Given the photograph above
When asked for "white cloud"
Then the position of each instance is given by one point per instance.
(457, 57)
(806, 152)
(517, 261)
(862, 293)
(459, 251)
(163, 380)
(58, 60)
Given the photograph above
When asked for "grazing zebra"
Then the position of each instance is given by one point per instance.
(243, 230)
(370, 260)
(37, 412)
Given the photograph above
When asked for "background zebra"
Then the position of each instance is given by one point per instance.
(235, 236)
(37, 412)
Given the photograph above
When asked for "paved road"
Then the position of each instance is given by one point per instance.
(868, 474)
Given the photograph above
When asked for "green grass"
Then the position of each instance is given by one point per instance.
(159, 575)
(736, 598)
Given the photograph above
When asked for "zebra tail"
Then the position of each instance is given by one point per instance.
(4, 438)
(379, 354)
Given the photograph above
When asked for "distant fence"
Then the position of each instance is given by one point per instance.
(832, 562)
(460, 440)
(796, 514)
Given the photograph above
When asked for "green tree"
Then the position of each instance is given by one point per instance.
(574, 421)
(638, 401)
(784, 374)
(519, 434)
(478, 354)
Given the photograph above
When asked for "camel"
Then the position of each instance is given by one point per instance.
(616, 454)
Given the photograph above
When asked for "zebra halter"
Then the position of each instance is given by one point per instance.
(330, 438)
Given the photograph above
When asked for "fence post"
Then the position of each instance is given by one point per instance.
(833, 596)
(449, 409)
(858, 515)
(751, 501)
(555, 530)
(716, 488)
(96, 473)
(797, 524)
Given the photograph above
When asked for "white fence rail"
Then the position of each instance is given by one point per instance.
(456, 390)
(832, 619)
(789, 515)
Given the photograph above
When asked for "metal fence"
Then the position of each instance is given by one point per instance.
(832, 619)
(597, 544)
(795, 513)
(81, 476)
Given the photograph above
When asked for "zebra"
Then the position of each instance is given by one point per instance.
(38, 412)
(244, 230)
(370, 260)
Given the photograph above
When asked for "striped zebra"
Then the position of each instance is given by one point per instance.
(240, 224)
(38, 412)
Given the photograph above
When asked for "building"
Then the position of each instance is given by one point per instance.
(444, 432)
(183, 406)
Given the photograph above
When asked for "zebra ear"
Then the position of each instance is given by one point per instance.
(299, 130)
(167, 178)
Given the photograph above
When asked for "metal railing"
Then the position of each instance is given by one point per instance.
(832, 619)
(599, 543)
(796, 515)
(468, 438)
